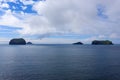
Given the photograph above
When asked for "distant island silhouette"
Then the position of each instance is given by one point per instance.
(29, 43)
(97, 42)
(102, 42)
(78, 43)
(21, 41)
(17, 41)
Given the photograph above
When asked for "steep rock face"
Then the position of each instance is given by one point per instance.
(78, 43)
(17, 41)
(102, 42)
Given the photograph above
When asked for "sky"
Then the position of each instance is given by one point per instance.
(60, 21)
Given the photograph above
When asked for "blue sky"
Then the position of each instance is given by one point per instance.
(49, 21)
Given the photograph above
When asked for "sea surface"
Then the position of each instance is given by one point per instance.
(60, 62)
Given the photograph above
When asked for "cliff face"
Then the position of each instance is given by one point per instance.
(102, 42)
(17, 41)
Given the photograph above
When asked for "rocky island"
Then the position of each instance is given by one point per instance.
(78, 43)
(102, 42)
(17, 41)
(29, 43)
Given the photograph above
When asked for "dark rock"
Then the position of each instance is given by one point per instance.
(102, 42)
(17, 41)
(29, 43)
(78, 43)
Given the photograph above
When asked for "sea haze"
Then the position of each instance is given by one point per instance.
(60, 62)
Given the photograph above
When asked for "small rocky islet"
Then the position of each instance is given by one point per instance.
(78, 43)
(29, 43)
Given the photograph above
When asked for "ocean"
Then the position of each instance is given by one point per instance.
(59, 62)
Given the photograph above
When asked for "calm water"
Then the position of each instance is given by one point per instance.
(60, 62)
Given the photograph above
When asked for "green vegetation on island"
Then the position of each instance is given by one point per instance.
(17, 41)
(102, 42)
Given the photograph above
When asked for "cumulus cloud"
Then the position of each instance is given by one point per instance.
(114, 36)
(75, 16)
(27, 2)
(61, 17)
(4, 5)
(9, 19)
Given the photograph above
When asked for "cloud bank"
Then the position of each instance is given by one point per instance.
(97, 18)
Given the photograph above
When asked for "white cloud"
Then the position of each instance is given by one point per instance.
(24, 7)
(27, 2)
(4, 5)
(114, 36)
(4, 1)
(10, 20)
(77, 16)
(101, 36)
(68, 16)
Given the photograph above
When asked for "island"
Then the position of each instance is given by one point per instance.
(78, 43)
(29, 43)
(102, 42)
(17, 41)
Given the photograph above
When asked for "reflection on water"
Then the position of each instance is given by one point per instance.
(60, 62)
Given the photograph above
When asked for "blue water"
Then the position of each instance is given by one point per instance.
(60, 62)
